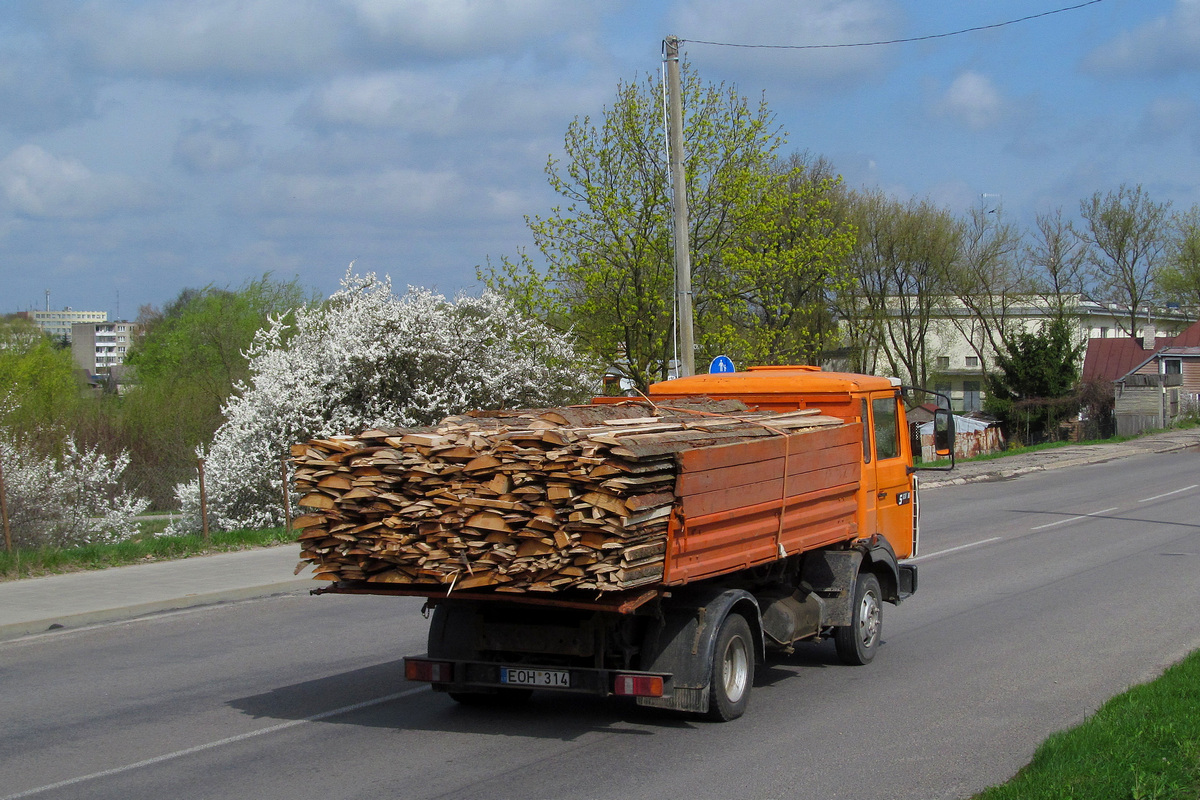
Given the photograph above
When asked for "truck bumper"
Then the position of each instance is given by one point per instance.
(907, 577)
(449, 675)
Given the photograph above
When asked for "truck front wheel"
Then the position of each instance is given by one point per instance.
(732, 670)
(857, 642)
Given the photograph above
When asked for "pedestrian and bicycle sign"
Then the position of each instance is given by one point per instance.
(721, 364)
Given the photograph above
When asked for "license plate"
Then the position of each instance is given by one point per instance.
(560, 678)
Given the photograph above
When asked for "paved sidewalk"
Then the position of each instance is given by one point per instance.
(76, 599)
(36, 605)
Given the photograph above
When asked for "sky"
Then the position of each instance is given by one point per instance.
(147, 146)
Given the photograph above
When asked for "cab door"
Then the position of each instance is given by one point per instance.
(890, 491)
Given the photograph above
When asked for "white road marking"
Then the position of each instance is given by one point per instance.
(946, 551)
(1074, 519)
(1168, 494)
(219, 743)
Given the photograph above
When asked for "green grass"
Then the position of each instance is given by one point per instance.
(144, 547)
(1141, 745)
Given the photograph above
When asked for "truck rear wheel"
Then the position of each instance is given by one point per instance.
(857, 642)
(732, 670)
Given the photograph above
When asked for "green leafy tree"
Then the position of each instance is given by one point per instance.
(608, 248)
(1033, 389)
(40, 391)
(187, 364)
(769, 301)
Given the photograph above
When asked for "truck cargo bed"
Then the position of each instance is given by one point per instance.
(572, 502)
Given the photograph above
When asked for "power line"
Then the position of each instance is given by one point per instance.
(895, 41)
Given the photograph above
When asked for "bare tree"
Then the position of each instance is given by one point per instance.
(1177, 279)
(900, 265)
(1059, 260)
(988, 281)
(1126, 235)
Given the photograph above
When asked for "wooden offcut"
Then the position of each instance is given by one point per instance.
(545, 500)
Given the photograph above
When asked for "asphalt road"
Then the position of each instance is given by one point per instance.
(1040, 597)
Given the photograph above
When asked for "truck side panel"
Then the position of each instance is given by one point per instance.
(728, 541)
(736, 526)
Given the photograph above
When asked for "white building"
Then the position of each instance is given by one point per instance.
(958, 352)
(58, 323)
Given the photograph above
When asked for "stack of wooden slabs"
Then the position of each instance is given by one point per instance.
(544, 500)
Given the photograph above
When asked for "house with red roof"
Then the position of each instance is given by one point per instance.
(1156, 379)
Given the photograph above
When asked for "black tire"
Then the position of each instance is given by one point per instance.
(858, 641)
(732, 670)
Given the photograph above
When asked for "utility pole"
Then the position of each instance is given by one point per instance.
(683, 260)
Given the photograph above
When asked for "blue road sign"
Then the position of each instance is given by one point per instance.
(721, 364)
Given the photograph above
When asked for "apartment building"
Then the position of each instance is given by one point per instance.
(57, 324)
(98, 346)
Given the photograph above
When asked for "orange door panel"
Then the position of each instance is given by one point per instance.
(892, 495)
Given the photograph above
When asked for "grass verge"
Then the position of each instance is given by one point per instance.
(147, 546)
(1141, 745)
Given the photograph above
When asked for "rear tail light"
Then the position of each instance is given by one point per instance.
(638, 686)
(429, 671)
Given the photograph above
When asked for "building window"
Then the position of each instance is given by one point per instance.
(973, 361)
(971, 396)
(943, 395)
(943, 362)
(1172, 366)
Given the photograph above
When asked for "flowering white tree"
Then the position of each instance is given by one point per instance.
(68, 500)
(369, 358)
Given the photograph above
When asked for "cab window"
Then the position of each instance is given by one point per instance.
(866, 423)
(887, 439)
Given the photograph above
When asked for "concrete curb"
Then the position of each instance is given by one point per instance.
(15, 630)
(1099, 455)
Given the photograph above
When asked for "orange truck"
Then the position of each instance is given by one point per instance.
(792, 539)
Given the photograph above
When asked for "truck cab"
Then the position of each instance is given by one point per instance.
(887, 503)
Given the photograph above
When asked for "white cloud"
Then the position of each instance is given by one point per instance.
(791, 22)
(217, 145)
(183, 38)
(39, 84)
(36, 183)
(431, 103)
(1169, 44)
(387, 194)
(408, 100)
(458, 27)
(973, 100)
(1168, 116)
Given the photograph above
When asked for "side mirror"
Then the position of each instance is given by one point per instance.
(943, 434)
